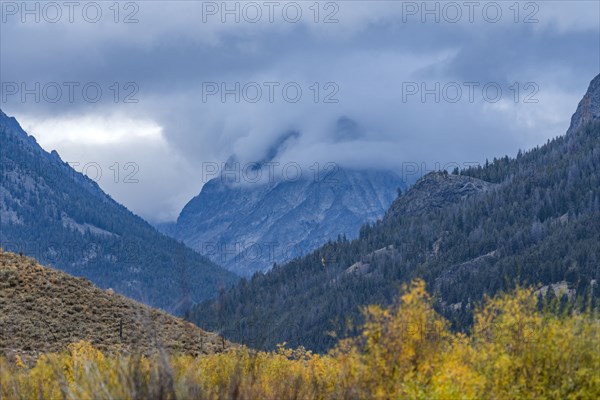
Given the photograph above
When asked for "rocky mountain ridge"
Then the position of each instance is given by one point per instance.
(588, 109)
(436, 190)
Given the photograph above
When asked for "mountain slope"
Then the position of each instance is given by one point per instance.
(61, 217)
(44, 310)
(248, 227)
(533, 219)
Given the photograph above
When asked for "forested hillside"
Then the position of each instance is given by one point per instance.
(533, 219)
(63, 219)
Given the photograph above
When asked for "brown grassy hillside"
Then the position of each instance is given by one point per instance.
(44, 310)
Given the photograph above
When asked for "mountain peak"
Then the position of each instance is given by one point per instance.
(588, 109)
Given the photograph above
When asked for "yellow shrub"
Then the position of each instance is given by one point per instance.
(406, 351)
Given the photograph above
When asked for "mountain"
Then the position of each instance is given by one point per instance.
(44, 310)
(588, 110)
(62, 218)
(247, 227)
(532, 220)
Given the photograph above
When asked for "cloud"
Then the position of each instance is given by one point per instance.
(129, 158)
(353, 75)
(86, 130)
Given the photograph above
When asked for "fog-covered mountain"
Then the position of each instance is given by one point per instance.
(247, 227)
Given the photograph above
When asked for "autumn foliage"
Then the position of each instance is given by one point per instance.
(516, 350)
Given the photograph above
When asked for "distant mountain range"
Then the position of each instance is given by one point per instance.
(533, 219)
(247, 227)
(62, 218)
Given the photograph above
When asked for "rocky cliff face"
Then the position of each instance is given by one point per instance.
(247, 228)
(588, 109)
(436, 190)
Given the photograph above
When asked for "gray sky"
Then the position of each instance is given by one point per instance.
(384, 84)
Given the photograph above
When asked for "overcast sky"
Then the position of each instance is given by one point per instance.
(365, 84)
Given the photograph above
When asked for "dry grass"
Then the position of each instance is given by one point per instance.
(45, 310)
